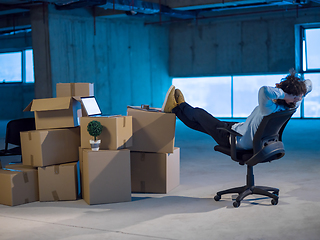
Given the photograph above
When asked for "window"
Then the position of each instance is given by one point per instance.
(245, 92)
(211, 93)
(229, 96)
(29, 66)
(17, 67)
(10, 70)
(311, 49)
(312, 102)
(311, 69)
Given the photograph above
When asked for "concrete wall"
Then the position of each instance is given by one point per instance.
(14, 98)
(129, 62)
(126, 60)
(237, 44)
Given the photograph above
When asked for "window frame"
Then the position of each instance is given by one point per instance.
(303, 49)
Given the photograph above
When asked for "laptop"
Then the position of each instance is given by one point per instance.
(91, 106)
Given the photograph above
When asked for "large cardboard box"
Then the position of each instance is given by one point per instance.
(74, 89)
(80, 178)
(58, 182)
(116, 133)
(50, 113)
(152, 131)
(50, 147)
(18, 186)
(155, 172)
(106, 176)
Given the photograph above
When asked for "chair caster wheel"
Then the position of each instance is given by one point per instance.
(274, 202)
(217, 197)
(236, 204)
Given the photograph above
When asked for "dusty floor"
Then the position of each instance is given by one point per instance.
(189, 211)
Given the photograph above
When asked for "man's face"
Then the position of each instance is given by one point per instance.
(292, 103)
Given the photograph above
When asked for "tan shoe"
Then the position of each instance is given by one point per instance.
(169, 102)
(179, 96)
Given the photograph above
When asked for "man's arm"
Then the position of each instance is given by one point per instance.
(266, 97)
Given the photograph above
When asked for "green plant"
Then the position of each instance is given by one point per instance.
(94, 128)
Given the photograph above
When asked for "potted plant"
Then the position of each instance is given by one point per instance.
(94, 128)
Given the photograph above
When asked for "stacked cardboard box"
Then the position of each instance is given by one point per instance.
(137, 153)
(105, 174)
(18, 185)
(58, 182)
(155, 162)
(49, 153)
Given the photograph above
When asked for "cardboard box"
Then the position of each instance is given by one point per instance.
(58, 182)
(50, 147)
(81, 170)
(63, 112)
(74, 89)
(19, 166)
(18, 186)
(152, 131)
(116, 133)
(106, 176)
(155, 172)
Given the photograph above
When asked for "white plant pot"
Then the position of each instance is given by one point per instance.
(95, 145)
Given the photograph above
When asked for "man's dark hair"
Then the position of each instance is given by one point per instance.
(291, 84)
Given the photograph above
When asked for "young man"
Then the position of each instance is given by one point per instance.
(287, 94)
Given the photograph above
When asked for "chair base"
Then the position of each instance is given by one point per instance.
(246, 190)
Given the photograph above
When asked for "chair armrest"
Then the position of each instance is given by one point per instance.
(233, 147)
(232, 132)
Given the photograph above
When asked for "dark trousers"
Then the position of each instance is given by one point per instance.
(200, 120)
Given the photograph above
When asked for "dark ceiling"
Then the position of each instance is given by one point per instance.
(183, 9)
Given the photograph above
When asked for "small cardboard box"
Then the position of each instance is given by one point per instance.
(106, 176)
(18, 186)
(58, 182)
(63, 112)
(155, 172)
(74, 89)
(50, 147)
(152, 131)
(116, 133)
(19, 166)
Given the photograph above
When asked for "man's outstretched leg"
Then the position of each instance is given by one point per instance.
(169, 102)
(195, 118)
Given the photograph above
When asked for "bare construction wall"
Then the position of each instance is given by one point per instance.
(238, 44)
(127, 61)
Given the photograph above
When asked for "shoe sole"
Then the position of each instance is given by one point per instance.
(166, 99)
(178, 94)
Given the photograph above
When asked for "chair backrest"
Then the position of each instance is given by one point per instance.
(271, 129)
(14, 127)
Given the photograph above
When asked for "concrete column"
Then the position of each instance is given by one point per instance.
(41, 52)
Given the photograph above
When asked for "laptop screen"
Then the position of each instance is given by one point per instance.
(91, 106)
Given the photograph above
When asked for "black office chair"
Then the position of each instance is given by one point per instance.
(267, 146)
(14, 127)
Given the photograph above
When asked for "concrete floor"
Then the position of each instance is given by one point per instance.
(189, 211)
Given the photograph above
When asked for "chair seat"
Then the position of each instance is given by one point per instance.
(242, 155)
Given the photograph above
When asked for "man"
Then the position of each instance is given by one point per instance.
(287, 94)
